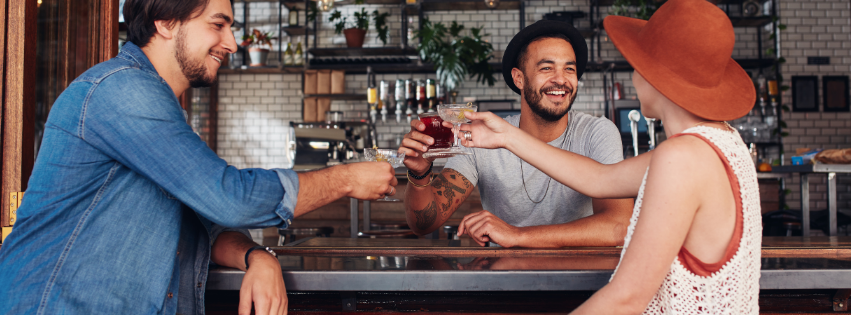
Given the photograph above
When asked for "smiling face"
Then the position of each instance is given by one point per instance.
(548, 77)
(203, 42)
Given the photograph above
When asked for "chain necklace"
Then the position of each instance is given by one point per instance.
(522, 176)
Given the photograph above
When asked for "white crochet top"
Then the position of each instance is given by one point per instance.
(734, 289)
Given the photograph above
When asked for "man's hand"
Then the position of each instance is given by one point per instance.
(483, 227)
(263, 285)
(370, 180)
(414, 145)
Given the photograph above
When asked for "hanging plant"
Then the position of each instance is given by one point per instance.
(456, 56)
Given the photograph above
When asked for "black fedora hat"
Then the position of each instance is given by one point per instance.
(539, 28)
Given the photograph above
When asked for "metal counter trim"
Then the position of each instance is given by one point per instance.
(582, 280)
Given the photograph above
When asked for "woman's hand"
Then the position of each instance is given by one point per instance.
(487, 130)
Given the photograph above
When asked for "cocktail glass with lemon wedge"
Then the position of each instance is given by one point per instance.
(455, 114)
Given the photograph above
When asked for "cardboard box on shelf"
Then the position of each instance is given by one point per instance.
(338, 81)
(310, 82)
(309, 112)
(323, 104)
(323, 82)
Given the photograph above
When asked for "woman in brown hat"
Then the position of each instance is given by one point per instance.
(693, 243)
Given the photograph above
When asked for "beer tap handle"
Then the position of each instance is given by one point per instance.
(651, 131)
(634, 117)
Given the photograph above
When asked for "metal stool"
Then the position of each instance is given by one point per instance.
(290, 235)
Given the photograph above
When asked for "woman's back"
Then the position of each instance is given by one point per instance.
(726, 230)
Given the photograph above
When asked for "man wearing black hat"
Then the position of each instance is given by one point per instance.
(523, 206)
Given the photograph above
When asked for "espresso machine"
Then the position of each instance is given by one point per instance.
(324, 144)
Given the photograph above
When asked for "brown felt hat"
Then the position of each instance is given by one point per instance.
(684, 51)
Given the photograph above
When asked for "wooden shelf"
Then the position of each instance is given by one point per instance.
(750, 21)
(295, 30)
(391, 68)
(359, 52)
(621, 65)
(346, 97)
(264, 70)
(448, 5)
(294, 4)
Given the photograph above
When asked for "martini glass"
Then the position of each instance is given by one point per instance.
(393, 157)
(455, 114)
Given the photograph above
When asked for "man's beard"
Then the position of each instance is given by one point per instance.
(533, 98)
(194, 70)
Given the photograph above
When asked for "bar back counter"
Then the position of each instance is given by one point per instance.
(387, 276)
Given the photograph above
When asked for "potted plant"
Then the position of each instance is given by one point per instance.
(356, 32)
(259, 44)
(456, 56)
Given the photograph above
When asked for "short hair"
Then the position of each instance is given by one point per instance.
(140, 15)
(521, 57)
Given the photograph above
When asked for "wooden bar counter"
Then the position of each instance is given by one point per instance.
(386, 276)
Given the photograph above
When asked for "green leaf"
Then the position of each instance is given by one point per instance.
(785, 108)
(784, 134)
(781, 27)
(781, 60)
(782, 124)
(784, 88)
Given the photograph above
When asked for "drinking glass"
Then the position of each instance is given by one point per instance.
(434, 128)
(393, 157)
(455, 114)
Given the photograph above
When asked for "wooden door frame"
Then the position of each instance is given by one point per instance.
(18, 74)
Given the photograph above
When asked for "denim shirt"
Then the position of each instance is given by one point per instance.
(120, 186)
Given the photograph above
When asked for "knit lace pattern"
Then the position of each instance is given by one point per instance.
(734, 289)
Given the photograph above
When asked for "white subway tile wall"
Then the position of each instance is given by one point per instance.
(254, 108)
(816, 28)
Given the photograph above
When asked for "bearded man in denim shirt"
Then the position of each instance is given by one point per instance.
(126, 205)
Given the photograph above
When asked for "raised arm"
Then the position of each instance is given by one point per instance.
(583, 174)
(429, 202)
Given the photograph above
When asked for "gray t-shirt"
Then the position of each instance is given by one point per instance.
(497, 174)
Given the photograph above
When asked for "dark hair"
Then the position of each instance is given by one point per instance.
(139, 15)
(521, 57)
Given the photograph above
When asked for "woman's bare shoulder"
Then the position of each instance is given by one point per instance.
(684, 151)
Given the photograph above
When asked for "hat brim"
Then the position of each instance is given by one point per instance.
(539, 28)
(732, 98)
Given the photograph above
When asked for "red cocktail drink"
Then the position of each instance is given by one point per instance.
(434, 128)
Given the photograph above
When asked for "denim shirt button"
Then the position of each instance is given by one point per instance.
(170, 295)
(289, 222)
(200, 284)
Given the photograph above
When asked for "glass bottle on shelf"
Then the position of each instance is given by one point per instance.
(410, 33)
(288, 54)
(371, 93)
(293, 17)
(421, 95)
(410, 100)
(298, 57)
(430, 95)
(400, 98)
(384, 99)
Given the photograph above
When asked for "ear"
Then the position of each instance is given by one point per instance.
(166, 29)
(518, 77)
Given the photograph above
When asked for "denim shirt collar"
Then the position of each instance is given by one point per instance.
(133, 53)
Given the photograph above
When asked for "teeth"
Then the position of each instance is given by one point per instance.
(216, 59)
(556, 92)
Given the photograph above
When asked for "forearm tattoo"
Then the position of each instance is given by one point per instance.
(426, 216)
(446, 190)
